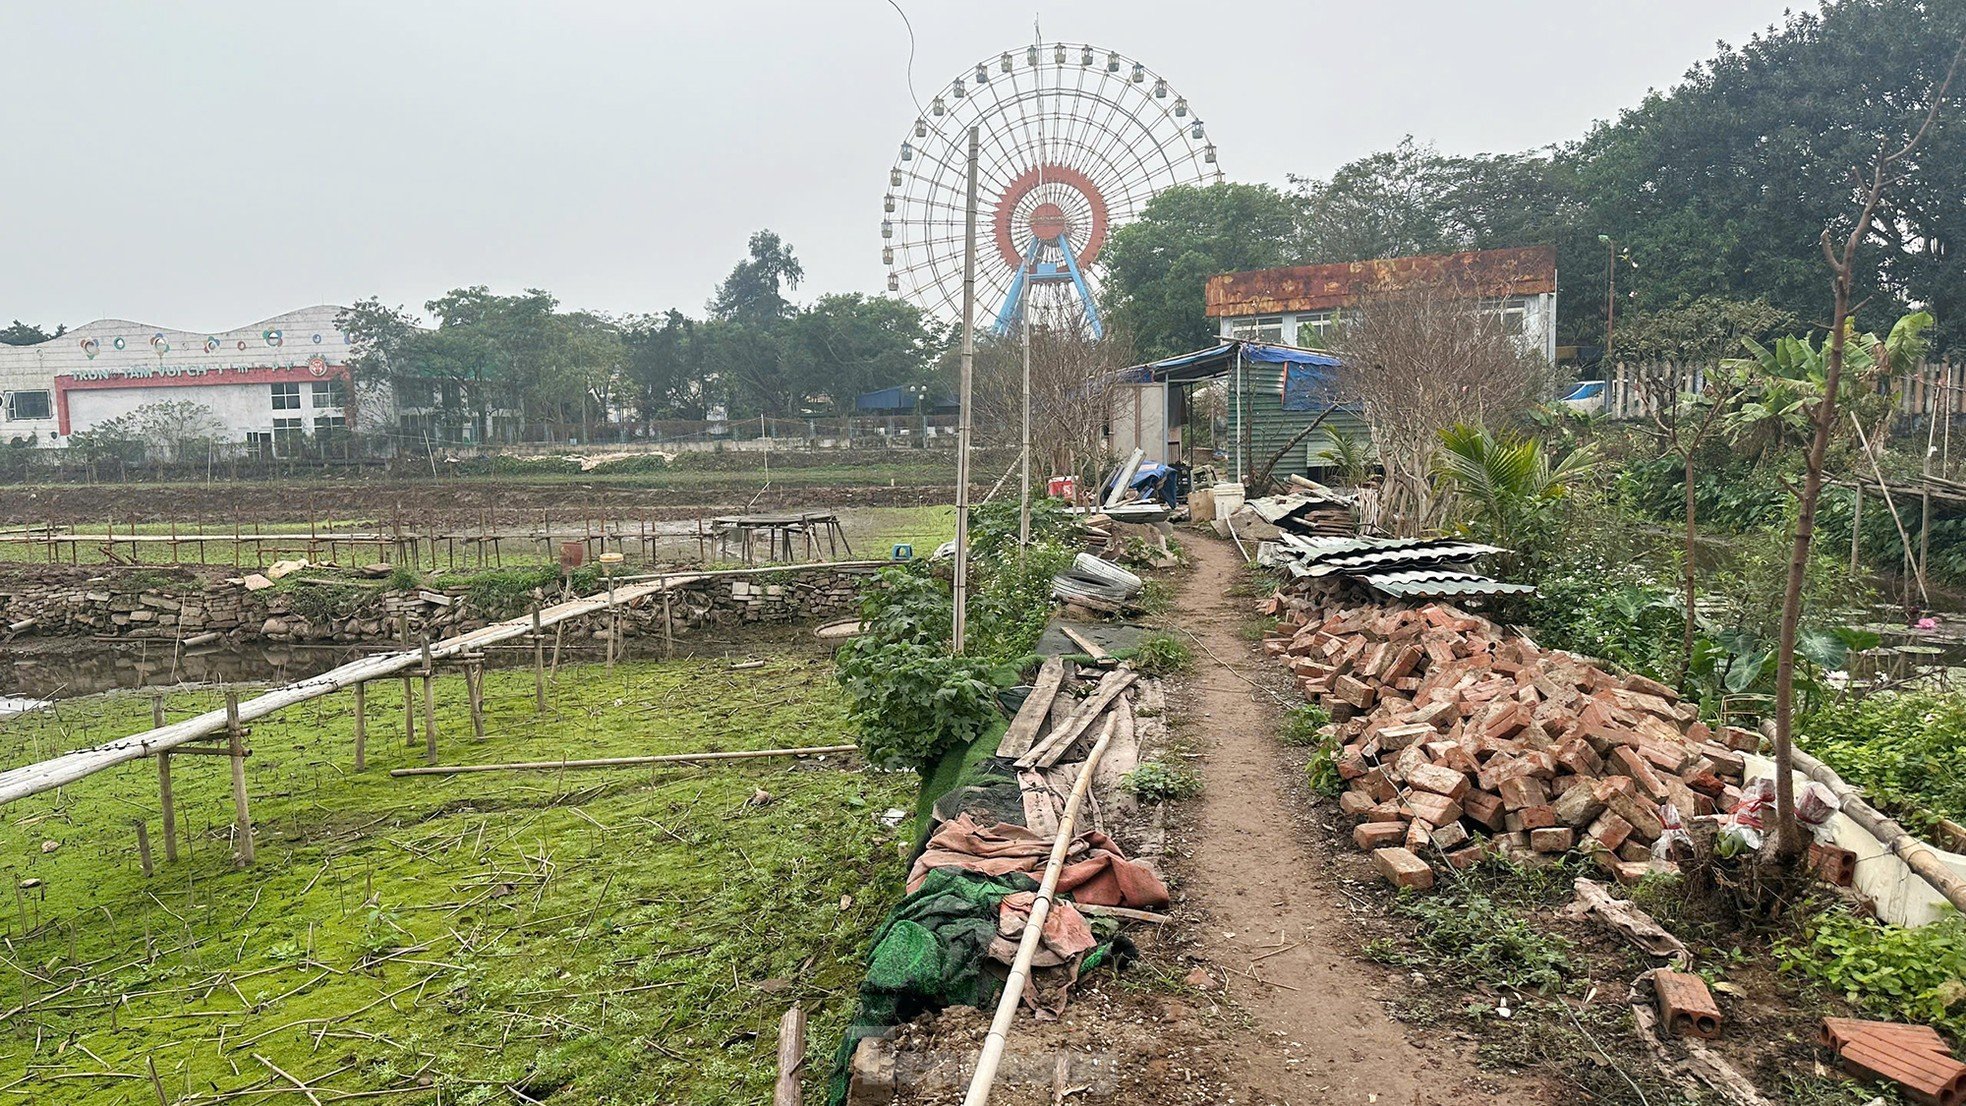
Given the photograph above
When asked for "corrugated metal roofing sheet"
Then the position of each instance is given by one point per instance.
(1439, 585)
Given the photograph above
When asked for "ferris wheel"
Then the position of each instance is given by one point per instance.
(1073, 142)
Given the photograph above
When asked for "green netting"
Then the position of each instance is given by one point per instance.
(932, 952)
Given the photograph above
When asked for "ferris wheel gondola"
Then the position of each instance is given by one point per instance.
(1073, 142)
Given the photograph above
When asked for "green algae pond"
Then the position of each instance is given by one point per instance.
(618, 936)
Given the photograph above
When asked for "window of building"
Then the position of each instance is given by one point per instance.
(325, 424)
(288, 434)
(286, 397)
(22, 406)
(1265, 328)
(1314, 327)
(1512, 313)
(330, 393)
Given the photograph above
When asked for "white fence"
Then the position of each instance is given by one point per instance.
(1637, 391)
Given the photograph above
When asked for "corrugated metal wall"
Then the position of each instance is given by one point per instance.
(1256, 393)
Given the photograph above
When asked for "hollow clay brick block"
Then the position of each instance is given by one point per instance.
(1403, 869)
(1686, 1007)
(1925, 1076)
(1833, 864)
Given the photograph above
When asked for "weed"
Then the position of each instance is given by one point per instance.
(405, 577)
(1891, 971)
(1305, 725)
(1156, 596)
(1161, 653)
(1475, 938)
(1157, 782)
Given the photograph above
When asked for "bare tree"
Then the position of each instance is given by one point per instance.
(1417, 362)
(1686, 421)
(1072, 379)
(1891, 166)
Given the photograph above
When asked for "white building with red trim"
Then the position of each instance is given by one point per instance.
(266, 384)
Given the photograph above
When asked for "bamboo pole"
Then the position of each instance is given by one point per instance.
(361, 727)
(143, 846)
(538, 665)
(168, 801)
(1921, 858)
(1027, 947)
(622, 762)
(235, 744)
(474, 684)
(429, 707)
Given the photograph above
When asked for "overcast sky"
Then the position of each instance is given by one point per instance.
(205, 165)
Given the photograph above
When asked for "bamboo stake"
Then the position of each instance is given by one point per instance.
(168, 801)
(361, 727)
(1027, 947)
(622, 762)
(143, 846)
(235, 742)
(538, 666)
(429, 708)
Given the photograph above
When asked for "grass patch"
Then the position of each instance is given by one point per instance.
(610, 937)
(1159, 654)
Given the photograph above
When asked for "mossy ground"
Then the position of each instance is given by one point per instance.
(601, 937)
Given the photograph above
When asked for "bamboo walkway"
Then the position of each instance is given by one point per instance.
(33, 779)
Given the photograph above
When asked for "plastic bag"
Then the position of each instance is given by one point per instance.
(1674, 841)
(1741, 830)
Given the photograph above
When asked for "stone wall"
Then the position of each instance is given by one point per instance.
(186, 603)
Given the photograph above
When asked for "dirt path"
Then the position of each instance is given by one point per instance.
(1265, 876)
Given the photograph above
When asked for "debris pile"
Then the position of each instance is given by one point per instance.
(1313, 511)
(1097, 584)
(1398, 568)
(982, 850)
(1457, 738)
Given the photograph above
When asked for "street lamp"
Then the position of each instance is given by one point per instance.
(1612, 255)
(920, 392)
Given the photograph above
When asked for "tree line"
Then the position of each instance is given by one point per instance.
(1709, 199)
(497, 367)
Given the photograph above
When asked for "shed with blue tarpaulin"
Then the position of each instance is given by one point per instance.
(1274, 392)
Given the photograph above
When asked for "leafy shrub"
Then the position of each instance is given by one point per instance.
(1012, 604)
(914, 702)
(1908, 750)
(1890, 971)
(1156, 782)
(1468, 934)
(1160, 654)
(323, 602)
(404, 577)
(993, 527)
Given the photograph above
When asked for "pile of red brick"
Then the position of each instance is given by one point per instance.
(1459, 738)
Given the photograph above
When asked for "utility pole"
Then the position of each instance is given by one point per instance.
(963, 424)
(1024, 457)
(1610, 291)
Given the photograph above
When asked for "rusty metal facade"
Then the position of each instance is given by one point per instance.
(1489, 274)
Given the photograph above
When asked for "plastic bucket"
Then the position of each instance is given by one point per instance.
(1228, 499)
